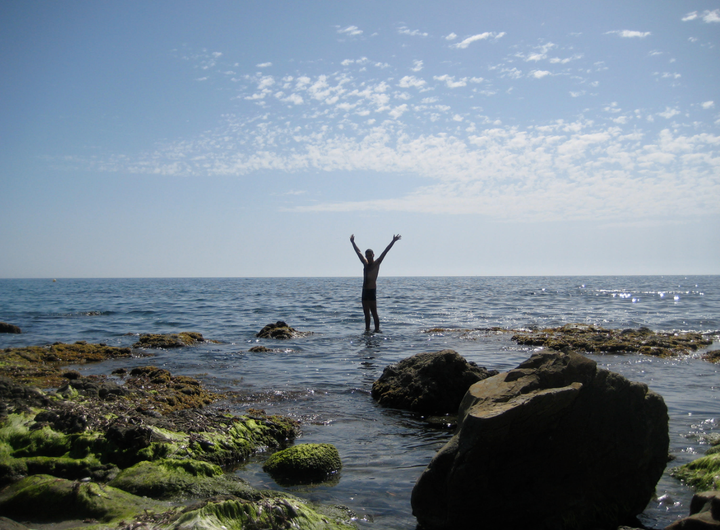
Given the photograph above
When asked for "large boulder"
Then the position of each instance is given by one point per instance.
(428, 383)
(556, 443)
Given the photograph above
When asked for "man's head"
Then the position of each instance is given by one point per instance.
(369, 254)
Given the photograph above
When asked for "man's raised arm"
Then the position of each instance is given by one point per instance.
(395, 238)
(357, 250)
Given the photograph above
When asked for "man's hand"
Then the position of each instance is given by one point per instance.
(397, 238)
(352, 238)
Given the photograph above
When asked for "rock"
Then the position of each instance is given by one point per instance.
(280, 330)
(704, 513)
(584, 338)
(304, 463)
(174, 340)
(9, 328)
(556, 442)
(702, 473)
(428, 383)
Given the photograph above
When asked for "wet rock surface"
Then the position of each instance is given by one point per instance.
(9, 328)
(431, 383)
(173, 340)
(280, 330)
(304, 464)
(704, 513)
(583, 338)
(95, 450)
(556, 441)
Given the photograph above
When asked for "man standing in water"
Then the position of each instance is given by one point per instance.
(371, 268)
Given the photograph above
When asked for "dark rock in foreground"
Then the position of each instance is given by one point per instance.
(9, 328)
(428, 383)
(556, 443)
(280, 330)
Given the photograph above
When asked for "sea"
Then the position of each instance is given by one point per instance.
(323, 379)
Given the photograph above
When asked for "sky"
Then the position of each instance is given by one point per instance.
(252, 138)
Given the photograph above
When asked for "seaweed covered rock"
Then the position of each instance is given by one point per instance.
(268, 510)
(584, 338)
(428, 383)
(173, 340)
(280, 330)
(304, 463)
(9, 328)
(702, 473)
(40, 365)
(582, 447)
(63, 500)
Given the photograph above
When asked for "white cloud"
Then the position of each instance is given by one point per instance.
(449, 80)
(451, 36)
(352, 31)
(481, 36)
(263, 65)
(708, 105)
(398, 111)
(706, 16)
(417, 65)
(539, 74)
(627, 34)
(411, 81)
(403, 30)
(668, 113)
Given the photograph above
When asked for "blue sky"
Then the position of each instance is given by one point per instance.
(239, 138)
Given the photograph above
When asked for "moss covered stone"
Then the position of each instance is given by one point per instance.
(583, 338)
(280, 330)
(173, 340)
(703, 473)
(40, 365)
(173, 478)
(304, 463)
(271, 510)
(62, 500)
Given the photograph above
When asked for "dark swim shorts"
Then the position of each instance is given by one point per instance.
(368, 294)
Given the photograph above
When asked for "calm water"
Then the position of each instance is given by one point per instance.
(324, 379)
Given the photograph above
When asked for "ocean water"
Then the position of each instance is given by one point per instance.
(324, 379)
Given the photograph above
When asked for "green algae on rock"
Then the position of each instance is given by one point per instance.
(40, 365)
(584, 338)
(63, 500)
(270, 510)
(173, 340)
(304, 463)
(703, 473)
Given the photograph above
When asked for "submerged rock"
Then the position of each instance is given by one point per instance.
(584, 338)
(428, 383)
(556, 443)
(280, 330)
(9, 328)
(304, 463)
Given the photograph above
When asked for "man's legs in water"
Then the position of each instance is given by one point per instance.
(366, 310)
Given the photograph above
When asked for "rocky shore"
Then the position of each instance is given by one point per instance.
(136, 449)
(557, 442)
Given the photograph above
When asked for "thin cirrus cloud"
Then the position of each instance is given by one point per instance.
(628, 34)
(474, 38)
